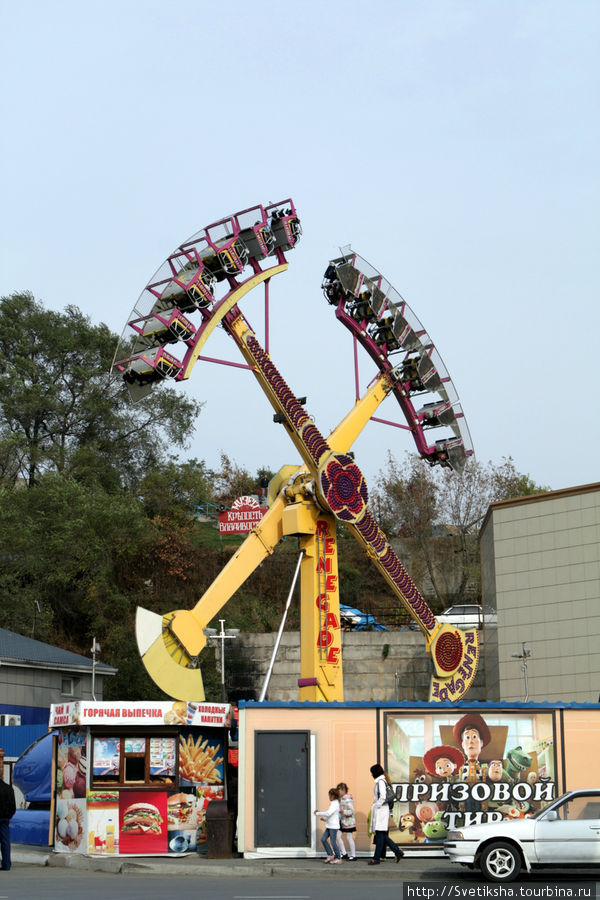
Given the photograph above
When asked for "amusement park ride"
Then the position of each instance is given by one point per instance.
(207, 276)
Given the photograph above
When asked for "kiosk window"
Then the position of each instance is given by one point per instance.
(107, 759)
(134, 760)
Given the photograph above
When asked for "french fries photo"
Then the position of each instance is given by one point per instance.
(198, 762)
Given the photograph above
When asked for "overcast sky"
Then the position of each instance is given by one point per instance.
(453, 144)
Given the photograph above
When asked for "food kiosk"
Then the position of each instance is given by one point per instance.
(135, 778)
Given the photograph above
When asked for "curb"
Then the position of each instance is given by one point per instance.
(195, 865)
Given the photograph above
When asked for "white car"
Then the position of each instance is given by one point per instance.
(564, 833)
(466, 615)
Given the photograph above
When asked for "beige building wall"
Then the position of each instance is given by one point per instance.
(344, 746)
(346, 740)
(580, 731)
(541, 571)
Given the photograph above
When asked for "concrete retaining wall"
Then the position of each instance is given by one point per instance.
(378, 665)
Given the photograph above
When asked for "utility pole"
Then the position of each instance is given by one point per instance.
(95, 649)
(213, 635)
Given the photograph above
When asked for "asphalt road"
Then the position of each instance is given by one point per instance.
(52, 884)
(409, 880)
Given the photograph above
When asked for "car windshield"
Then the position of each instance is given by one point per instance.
(462, 610)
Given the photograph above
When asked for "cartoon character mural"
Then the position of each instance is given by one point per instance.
(445, 762)
(454, 770)
(435, 832)
(517, 762)
(408, 823)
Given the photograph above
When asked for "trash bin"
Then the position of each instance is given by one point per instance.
(219, 830)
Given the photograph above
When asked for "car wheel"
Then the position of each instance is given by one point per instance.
(500, 862)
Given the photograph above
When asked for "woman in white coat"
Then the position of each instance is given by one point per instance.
(380, 818)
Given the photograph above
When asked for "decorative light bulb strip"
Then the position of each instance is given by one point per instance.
(342, 487)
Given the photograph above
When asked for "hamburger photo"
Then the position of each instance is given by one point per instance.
(141, 818)
(180, 810)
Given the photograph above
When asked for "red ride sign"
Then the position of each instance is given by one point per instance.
(244, 514)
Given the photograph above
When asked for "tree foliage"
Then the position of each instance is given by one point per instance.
(60, 409)
(233, 480)
(174, 488)
(69, 547)
(437, 514)
(86, 484)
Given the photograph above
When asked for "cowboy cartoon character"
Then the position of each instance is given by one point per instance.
(472, 734)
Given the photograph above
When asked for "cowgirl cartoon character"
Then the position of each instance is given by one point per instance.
(444, 762)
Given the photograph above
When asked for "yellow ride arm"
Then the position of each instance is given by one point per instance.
(187, 625)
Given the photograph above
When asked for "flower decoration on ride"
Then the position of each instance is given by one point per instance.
(344, 488)
(449, 651)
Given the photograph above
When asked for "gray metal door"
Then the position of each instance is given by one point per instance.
(282, 788)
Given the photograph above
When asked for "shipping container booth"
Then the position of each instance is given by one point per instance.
(520, 758)
(136, 778)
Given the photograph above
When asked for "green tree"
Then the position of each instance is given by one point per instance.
(174, 489)
(80, 541)
(72, 548)
(61, 410)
